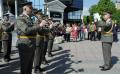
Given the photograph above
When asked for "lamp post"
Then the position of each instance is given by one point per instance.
(80, 16)
(16, 9)
(1, 8)
(45, 8)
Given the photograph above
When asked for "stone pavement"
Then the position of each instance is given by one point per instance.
(83, 57)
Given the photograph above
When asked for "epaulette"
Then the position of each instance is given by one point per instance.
(20, 16)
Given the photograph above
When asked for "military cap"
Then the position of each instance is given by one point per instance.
(45, 16)
(107, 12)
(25, 4)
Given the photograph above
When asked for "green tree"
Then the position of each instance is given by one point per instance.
(116, 16)
(106, 5)
(85, 20)
(88, 19)
(102, 6)
(93, 9)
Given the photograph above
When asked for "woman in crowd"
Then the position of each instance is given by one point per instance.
(75, 32)
(68, 31)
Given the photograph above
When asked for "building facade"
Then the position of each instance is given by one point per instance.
(55, 10)
(117, 4)
(73, 10)
(9, 5)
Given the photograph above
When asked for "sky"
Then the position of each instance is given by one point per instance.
(38, 2)
(86, 5)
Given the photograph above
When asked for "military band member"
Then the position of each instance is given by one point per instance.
(46, 38)
(1, 35)
(7, 28)
(26, 42)
(107, 39)
(39, 43)
(51, 37)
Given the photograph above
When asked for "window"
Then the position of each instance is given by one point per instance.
(37, 4)
(74, 15)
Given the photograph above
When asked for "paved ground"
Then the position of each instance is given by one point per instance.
(83, 57)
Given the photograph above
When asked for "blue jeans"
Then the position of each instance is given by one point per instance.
(82, 35)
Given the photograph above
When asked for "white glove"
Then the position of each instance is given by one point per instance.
(43, 23)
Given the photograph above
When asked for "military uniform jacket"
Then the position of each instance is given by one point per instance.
(44, 31)
(1, 30)
(25, 26)
(107, 35)
(52, 32)
(7, 29)
(42, 35)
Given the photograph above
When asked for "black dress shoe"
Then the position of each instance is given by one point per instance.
(105, 68)
(102, 66)
(50, 55)
(45, 62)
(6, 60)
(1, 52)
(39, 70)
(36, 71)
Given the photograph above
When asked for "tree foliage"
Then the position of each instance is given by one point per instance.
(106, 5)
(88, 19)
(116, 16)
(102, 6)
(93, 9)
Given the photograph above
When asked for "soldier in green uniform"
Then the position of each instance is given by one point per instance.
(51, 37)
(1, 35)
(46, 38)
(107, 39)
(7, 28)
(26, 42)
(39, 43)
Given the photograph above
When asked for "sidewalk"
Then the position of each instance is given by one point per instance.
(83, 57)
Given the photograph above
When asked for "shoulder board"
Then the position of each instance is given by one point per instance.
(21, 17)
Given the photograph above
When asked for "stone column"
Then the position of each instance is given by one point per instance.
(62, 18)
(16, 9)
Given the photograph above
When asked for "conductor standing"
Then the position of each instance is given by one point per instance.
(107, 40)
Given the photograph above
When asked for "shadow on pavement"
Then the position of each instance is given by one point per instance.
(62, 64)
(12, 66)
(114, 60)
